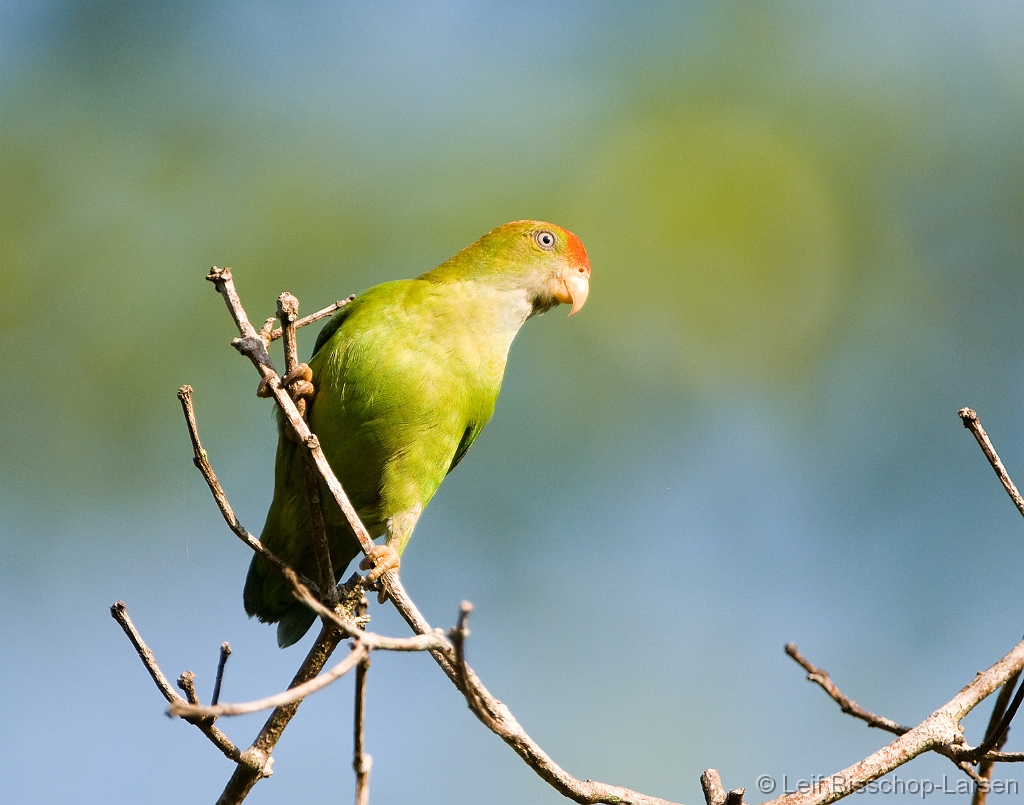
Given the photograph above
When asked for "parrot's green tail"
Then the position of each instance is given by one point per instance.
(266, 597)
(294, 624)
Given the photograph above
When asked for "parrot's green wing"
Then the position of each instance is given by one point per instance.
(468, 437)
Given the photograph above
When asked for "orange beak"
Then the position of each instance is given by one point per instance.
(572, 290)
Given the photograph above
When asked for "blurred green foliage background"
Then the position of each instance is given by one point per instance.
(806, 224)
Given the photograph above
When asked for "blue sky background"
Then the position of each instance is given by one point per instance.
(805, 223)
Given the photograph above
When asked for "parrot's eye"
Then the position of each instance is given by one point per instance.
(545, 239)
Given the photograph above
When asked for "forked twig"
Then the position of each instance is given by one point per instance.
(119, 612)
(312, 317)
(998, 728)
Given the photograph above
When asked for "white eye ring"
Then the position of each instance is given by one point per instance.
(545, 239)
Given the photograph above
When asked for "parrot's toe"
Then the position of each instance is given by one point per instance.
(381, 559)
(297, 381)
(263, 389)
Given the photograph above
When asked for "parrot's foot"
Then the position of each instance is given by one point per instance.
(379, 561)
(297, 381)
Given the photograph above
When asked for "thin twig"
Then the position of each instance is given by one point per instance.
(820, 677)
(119, 612)
(293, 694)
(312, 317)
(202, 463)
(850, 707)
(225, 652)
(973, 424)
(362, 762)
(187, 684)
(458, 636)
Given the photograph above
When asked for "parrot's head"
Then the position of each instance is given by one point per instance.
(545, 262)
(550, 262)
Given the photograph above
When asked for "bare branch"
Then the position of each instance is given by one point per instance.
(973, 424)
(850, 707)
(312, 317)
(361, 761)
(499, 719)
(119, 612)
(493, 713)
(940, 732)
(202, 463)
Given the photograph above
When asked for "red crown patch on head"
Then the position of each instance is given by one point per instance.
(576, 252)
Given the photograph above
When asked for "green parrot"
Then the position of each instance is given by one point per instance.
(405, 378)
